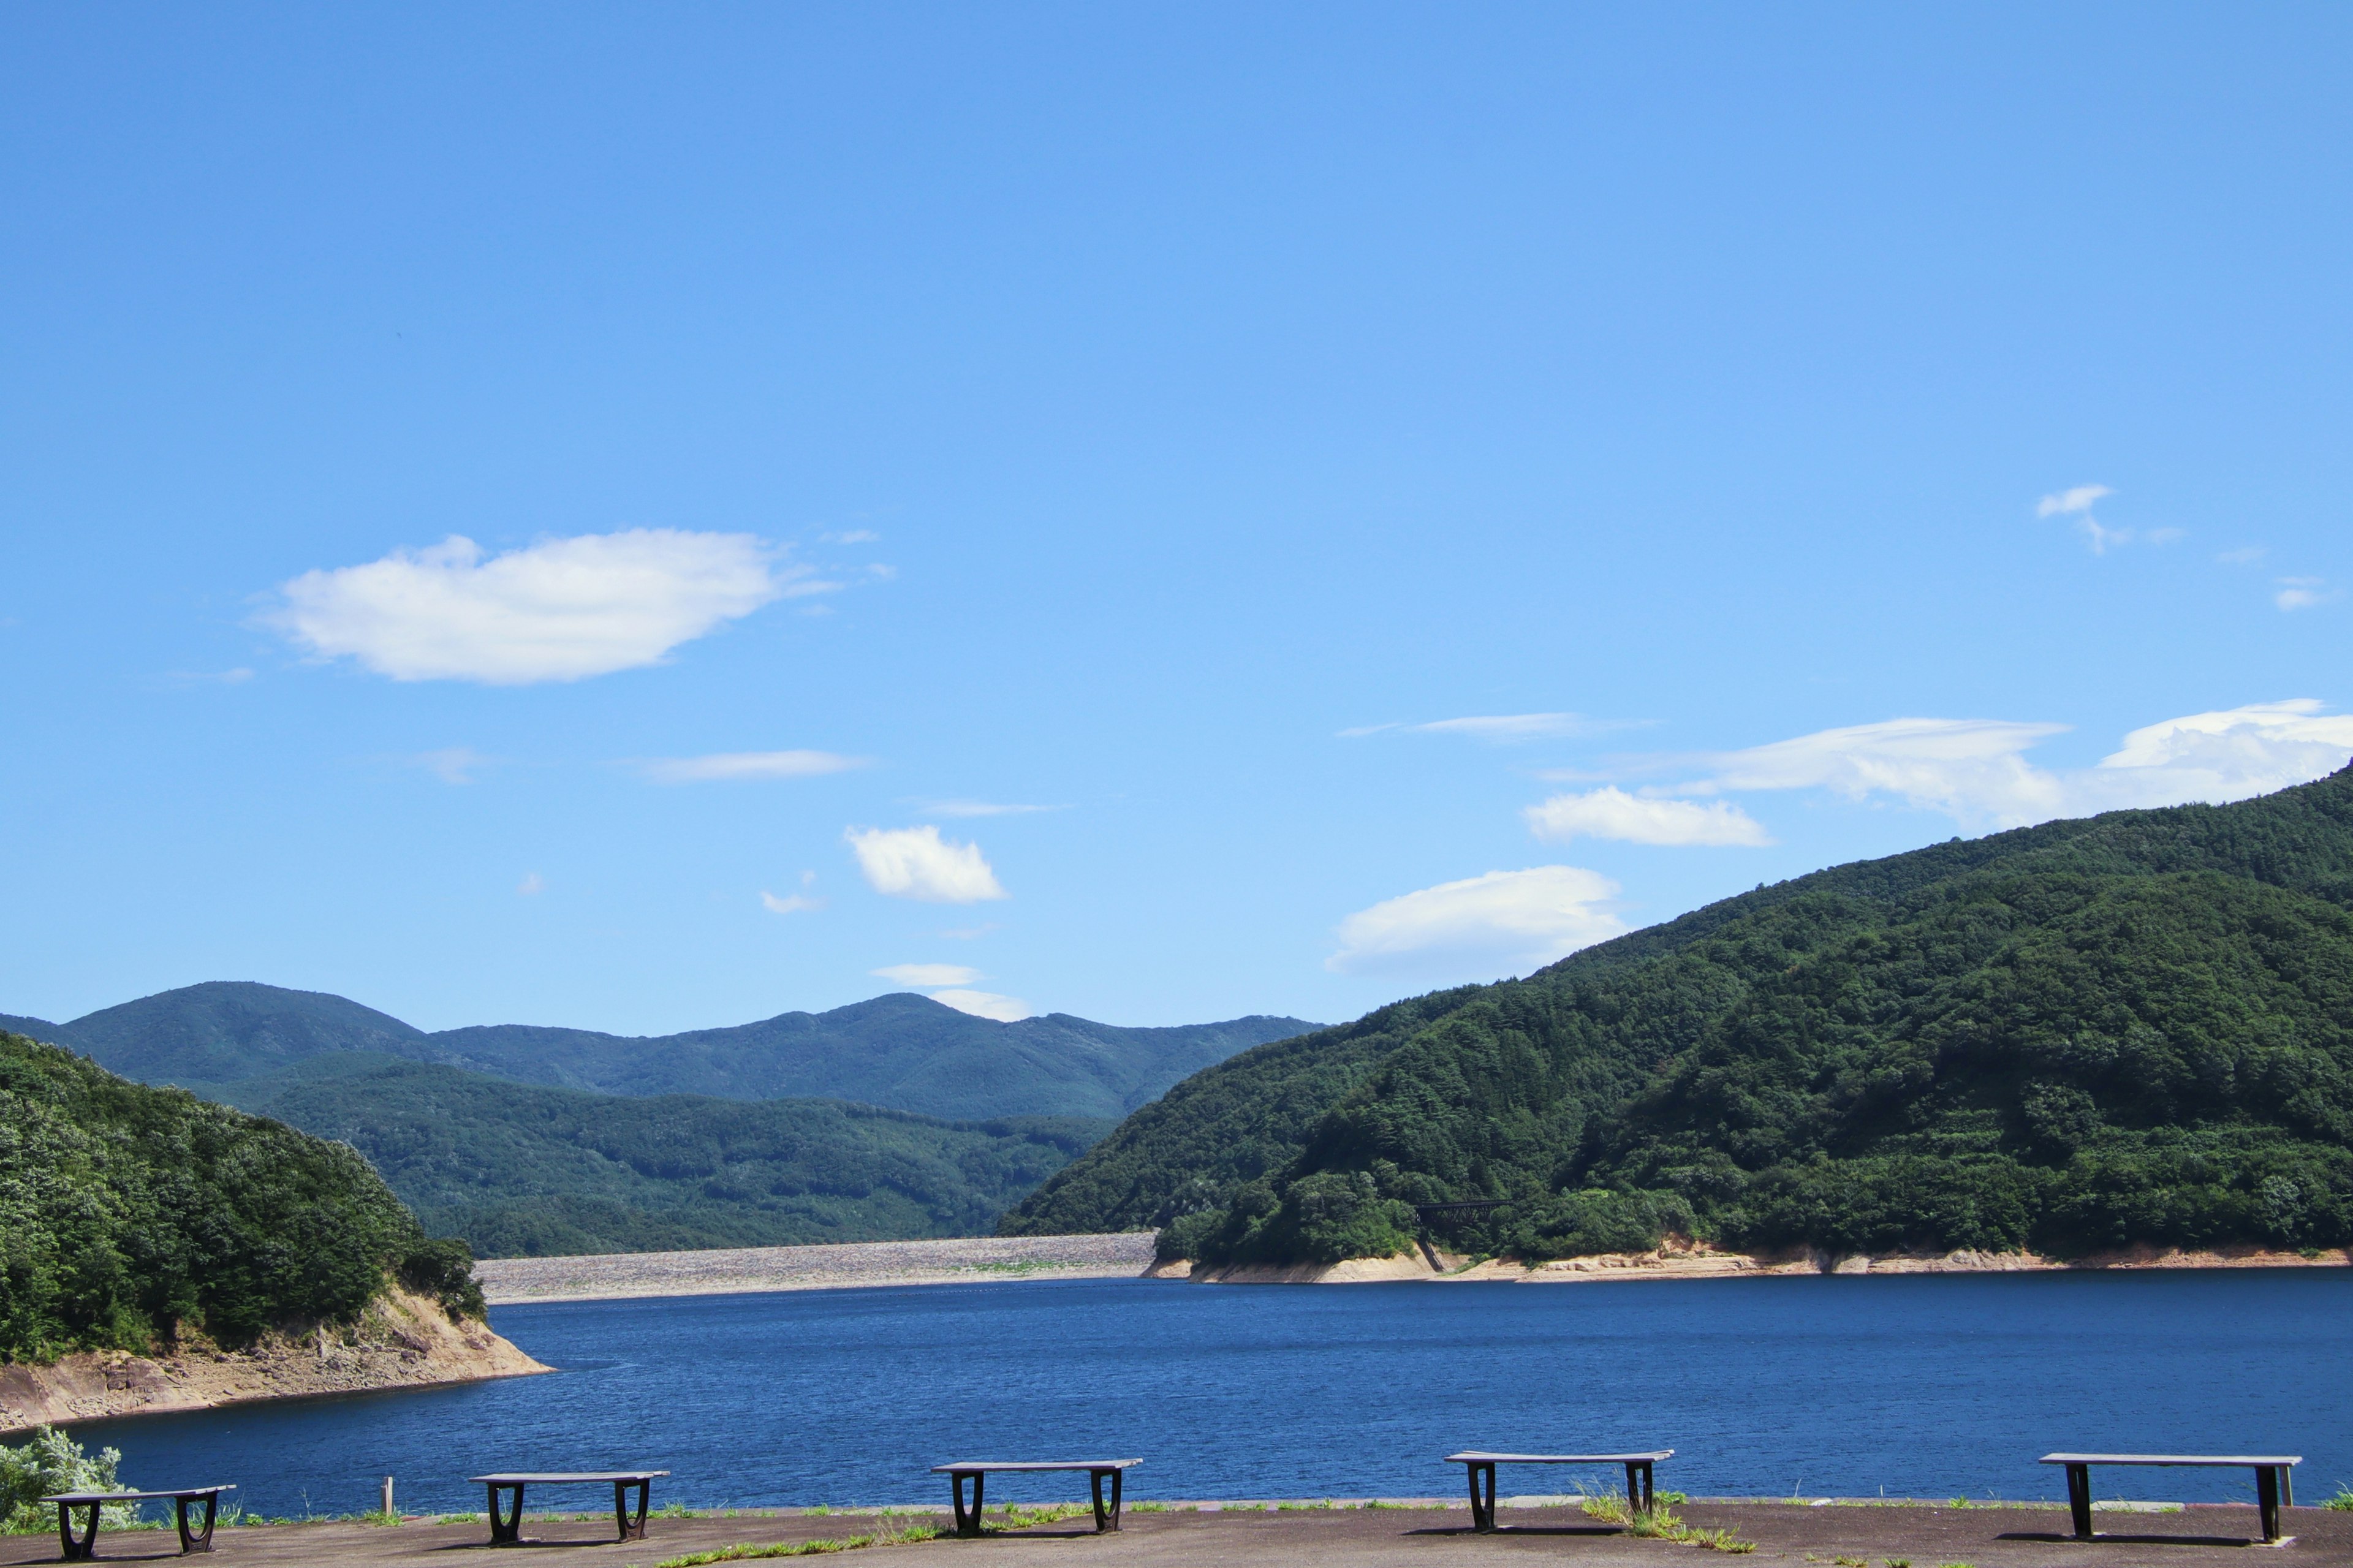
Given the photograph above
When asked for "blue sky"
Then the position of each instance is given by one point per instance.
(645, 517)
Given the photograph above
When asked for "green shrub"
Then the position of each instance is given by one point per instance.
(48, 1461)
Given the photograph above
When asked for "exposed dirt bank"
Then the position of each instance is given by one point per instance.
(403, 1340)
(1702, 1262)
(512, 1281)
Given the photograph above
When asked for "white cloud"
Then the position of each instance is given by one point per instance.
(924, 976)
(2246, 555)
(561, 609)
(916, 863)
(790, 904)
(1967, 768)
(981, 808)
(2302, 593)
(1496, 728)
(531, 885)
(1640, 819)
(855, 536)
(452, 764)
(2077, 499)
(750, 765)
(2077, 503)
(1507, 919)
(985, 1004)
(1973, 770)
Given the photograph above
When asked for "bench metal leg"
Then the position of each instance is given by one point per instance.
(71, 1549)
(1483, 1508)
(198, 1540)
(2267, 1498)
(1638, 1486)
(1103, 1521)
(506, 1531)
(967, 1524)
(2079, 1499)
(629, 1531)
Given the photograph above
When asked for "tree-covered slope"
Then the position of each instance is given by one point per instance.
(518, 1169)
(129, 1214)
(904, 1051)
(2136, 1027)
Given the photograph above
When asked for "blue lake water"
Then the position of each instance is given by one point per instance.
(1922, 1386)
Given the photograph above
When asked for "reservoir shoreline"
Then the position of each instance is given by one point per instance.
(525, 1282)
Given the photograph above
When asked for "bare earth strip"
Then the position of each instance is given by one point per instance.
(513, 1281)
(1313, 1536)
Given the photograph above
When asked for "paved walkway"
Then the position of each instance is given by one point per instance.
(1928, 1537)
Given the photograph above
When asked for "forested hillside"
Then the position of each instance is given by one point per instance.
(904, 1051)
(129, 1214)
(519, 1170)
(2136, 1027)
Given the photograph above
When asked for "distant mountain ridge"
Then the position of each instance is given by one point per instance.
(903, 1052)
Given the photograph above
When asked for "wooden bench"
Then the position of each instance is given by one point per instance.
(509, 1531)
(1479, 1464)
(82, 1548)
(2272, 1487)
(968, 1523)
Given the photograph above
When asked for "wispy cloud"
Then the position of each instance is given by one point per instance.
(2302, 593)
(980, 808)
(2247, 556)
(1612, 813)
(854, 536)
(916, 863)
(561, 609)
(790, 904)
(1498, 729)
(531, 885)
(749, 765)
(452, 764)
(924, 976)
(1470, 928)
(2077, 503)
(1975, 769)
(237, 677)
(985, 1004)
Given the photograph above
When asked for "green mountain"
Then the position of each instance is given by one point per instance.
(524, 1170)
(129, 1214)
(2136, 1027)
(904, 1052)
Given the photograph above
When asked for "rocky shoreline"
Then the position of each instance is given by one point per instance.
(403, 1340)
(1699, 1261)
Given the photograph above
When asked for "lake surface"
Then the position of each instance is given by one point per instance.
(1934, 1385)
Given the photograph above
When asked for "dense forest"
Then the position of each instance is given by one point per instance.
(2131, 1028)
(131, 1215)
(520, 1171)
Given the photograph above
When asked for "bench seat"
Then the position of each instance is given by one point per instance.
(1481, 1465)
(509, 1531)
(2273, 1485)
(968, 1524)
(82, 1548)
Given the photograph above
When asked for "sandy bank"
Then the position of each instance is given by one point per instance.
(404, 1341)
(1702, 1262)
(513, 1281)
